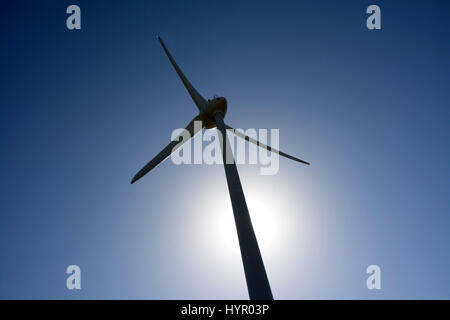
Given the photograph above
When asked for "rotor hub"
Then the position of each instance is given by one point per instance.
(215, 105)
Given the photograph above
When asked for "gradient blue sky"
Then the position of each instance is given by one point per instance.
(82, 111)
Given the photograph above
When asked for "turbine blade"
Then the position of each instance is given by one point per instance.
(198, 99)
(169, 149)
(240, 134)
(254, 270)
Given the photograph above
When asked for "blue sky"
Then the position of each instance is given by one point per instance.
(82, 111)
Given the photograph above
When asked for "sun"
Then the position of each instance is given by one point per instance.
(277, 226)
(264, 220)
(279, 218)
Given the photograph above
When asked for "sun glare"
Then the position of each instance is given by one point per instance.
(279, 219)
(264, 221)
(276, 226)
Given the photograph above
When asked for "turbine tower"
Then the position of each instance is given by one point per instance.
(211, 114)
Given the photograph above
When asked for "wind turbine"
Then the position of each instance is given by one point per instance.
(211, 115)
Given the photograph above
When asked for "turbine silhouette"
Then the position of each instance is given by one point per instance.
(211, 115)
